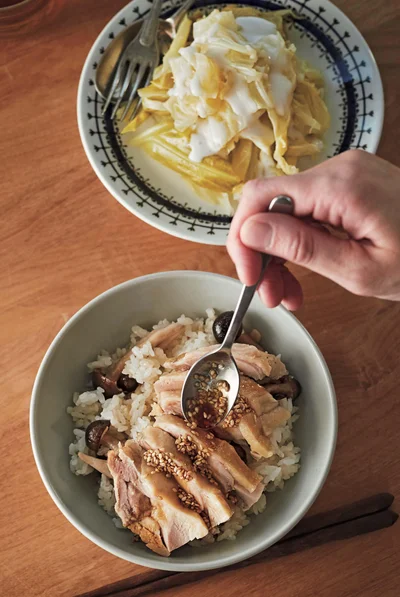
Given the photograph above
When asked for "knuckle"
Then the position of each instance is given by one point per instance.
(352, 164)
(254, 188)
(302, 248)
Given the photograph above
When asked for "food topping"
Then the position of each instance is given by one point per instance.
(188, 500)
(285, 387)
(239, 409)
(95, 431)
(164, 462)
(210, 403)
(221, 326)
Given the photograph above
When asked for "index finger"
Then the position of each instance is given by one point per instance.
(256, 197)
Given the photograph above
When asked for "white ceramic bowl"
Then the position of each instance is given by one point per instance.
(105, 323)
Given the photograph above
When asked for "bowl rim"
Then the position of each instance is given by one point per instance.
(168, 563)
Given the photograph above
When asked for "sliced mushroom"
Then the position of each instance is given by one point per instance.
(100, 437)
(95, 432)
(285, 387)
(126, 383)
(109, 386)
(97, 463)
(221, 326)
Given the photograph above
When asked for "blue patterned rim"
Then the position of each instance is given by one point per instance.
(342, 57)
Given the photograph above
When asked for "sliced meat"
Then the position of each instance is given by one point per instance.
(260, 401)
(257, 397)
(271, 414)
(131, 504)
(249, 499)
(162, 338)
(252, 431)
(170, 402)
(256, 363)
(208, 495)
(184, 361)
(231, 434)
(222, 457)
(97, 463)
(278, 369)
(250, 360)
(275, 418)
(150, 533)
(178, 524)
(170, 381)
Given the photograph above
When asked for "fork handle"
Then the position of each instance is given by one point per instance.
(149, 30)
(176, 18)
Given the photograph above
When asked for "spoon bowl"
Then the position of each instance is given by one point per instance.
(227, 373)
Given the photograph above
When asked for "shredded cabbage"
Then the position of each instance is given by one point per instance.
(223, 109)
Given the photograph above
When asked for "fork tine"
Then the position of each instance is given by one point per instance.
(114, 86)
(124, 87)
(139, 102)
(139, 77)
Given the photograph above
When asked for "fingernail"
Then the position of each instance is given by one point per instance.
(256, 234)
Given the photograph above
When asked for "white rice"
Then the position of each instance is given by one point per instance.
(132, 415)
(106, 495)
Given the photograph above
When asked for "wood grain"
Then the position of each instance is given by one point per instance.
(365, 516)
(65, 240)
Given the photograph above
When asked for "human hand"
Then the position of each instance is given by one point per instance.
(356, 192)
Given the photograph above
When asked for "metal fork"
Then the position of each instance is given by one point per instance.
(141, 55)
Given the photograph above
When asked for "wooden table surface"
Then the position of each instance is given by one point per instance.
(62, 237)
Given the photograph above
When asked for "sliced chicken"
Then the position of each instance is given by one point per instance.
(184, 361)
(170, 381)
(250, 360)
(162, 338)
(131, 504)
(256, 363)
(150, 533)
(278, 369)
(178, 523)
(222, 458)
(230, 434)
(252, 431)
(208, 495)
(170, 402)
(260, 402)
(257, 397)
(249, 499)
(275, 418)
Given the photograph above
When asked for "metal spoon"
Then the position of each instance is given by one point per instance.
(108, 63)
(221, 360)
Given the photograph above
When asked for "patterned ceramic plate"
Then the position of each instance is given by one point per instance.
(323, 36)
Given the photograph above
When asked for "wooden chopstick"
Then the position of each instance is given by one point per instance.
(364, 516)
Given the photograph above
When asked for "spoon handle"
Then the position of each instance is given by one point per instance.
(280, 204)
(150, 25)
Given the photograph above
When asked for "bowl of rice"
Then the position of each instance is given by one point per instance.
(152, 490)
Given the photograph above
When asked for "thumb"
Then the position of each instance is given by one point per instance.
(305, 244)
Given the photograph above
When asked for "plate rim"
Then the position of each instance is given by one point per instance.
(180, 232)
